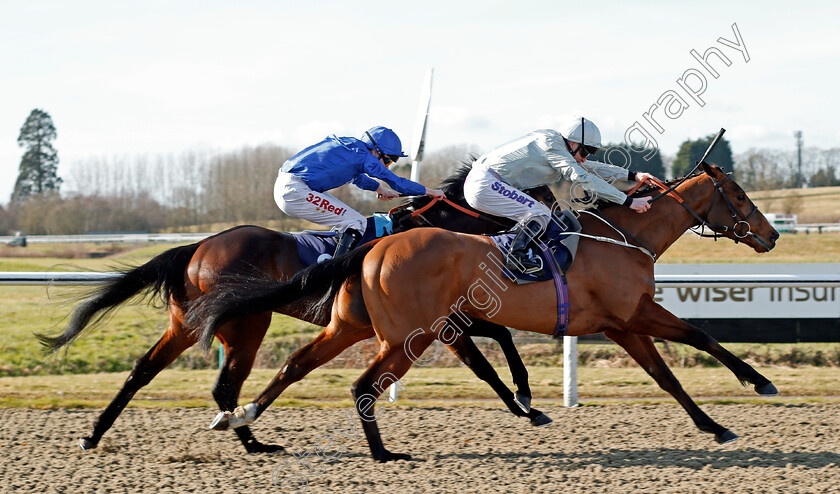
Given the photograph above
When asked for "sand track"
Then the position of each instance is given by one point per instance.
(615, 448)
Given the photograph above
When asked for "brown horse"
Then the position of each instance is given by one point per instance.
(416, 279)
(182, 274)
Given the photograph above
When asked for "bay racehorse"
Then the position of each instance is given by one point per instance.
(182, 274)
(412, 282)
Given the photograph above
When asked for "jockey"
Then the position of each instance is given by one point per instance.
(541, 157)
(302, 181)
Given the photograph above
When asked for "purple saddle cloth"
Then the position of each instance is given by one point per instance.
(556, 260)
(314, 247)
(551, 238)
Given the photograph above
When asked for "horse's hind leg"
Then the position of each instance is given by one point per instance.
(241, 339)
(517, 368)
(333, 340)
(660, 323)
(163, 353)
(641, 348)
(389, 366)
(472, 357)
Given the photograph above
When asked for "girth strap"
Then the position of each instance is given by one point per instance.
(563, 309)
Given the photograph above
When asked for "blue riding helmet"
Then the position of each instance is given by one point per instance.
(383, 140)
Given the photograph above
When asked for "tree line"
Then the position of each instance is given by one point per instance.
(203, 188)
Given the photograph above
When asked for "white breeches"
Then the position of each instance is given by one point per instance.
(296, 199)
(486, 192)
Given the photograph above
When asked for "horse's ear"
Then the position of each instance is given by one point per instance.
(709, 169)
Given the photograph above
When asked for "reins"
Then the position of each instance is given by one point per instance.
(668, 190)
(642, 247)
(456, 206)
(717, 229)
(464, 210)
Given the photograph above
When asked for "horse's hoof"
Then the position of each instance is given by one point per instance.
(726, 436)
(258, 447)
(221, 422)
(541, 420)
(767, 390)
(243, 415)
(523, 401)
(86, 444)
(388, 456)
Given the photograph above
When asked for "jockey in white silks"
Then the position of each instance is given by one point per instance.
(541, 157)
(300, 189)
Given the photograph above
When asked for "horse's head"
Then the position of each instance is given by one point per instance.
(732, 214)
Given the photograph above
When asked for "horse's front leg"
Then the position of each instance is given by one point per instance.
(659, 323)
(518, 371)
(464, 348)
(643, 351)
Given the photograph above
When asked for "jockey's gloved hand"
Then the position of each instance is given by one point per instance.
(644, 177)
(640, 204)
(436, 193)
(384, 194)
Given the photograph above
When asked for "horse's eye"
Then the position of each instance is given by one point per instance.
(741, 197)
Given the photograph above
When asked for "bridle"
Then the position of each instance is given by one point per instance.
(737, 217)
(717, 229)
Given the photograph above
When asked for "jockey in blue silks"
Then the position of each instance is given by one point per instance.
(300, 189)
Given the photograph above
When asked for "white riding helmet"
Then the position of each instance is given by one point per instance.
(582, 131)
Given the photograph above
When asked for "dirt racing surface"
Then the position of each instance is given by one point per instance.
(610, 448)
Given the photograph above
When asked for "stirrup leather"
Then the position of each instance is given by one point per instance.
(346, 241)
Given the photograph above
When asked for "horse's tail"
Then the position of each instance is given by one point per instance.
(238, 295)
(162, 276)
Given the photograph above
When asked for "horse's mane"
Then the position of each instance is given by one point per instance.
(452, 186)
(647, 189)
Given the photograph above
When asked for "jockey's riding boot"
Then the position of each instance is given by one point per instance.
(346, 241)
(519, 259)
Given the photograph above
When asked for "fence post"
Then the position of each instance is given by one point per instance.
(570, 392)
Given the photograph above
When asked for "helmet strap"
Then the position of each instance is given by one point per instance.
(375, 146)
(582, 138)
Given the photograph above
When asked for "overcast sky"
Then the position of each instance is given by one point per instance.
(156, 77)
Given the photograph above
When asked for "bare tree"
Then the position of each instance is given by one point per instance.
(239, 186)
(764, 169)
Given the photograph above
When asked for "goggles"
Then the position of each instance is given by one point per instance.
(587, 150)
(386, 158)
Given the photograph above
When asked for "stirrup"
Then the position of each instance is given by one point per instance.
(522, 262)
